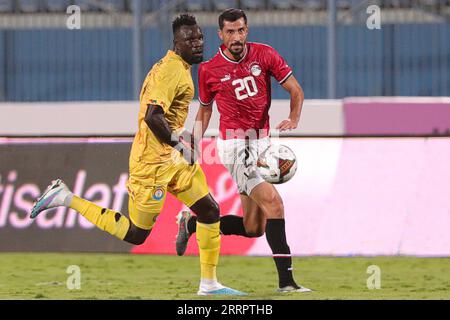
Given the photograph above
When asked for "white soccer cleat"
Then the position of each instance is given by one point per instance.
(55, 195)
(213, 288)
(225, 291)
(293, 288)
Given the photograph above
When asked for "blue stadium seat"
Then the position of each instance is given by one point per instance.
(57, 5)
(222, 5)
(115, 5)
(28, 6)
(103, 5)
(196, 5)
(6, 6)
(148, 5)
(299, 4)
(253, 4)
(84, 5)
(395, 3)
(432, 3)
(315, 4)
(344, 4)
(281, 4)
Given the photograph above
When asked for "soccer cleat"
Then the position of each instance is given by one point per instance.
(293, 288)
(225, 291)
(54, 196)
(183, 232)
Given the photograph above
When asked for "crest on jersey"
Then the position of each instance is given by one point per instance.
(255, 70)
(158, 194)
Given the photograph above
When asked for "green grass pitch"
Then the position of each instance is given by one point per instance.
(126, 276)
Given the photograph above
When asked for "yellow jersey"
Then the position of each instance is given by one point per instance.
(169, 85)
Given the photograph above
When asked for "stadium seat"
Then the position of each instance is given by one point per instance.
(432, 3)
(395, 3)
(103, 5)
(343, 4)
(281, 4)
(315, 4)
(114, 5)
(148, 5)
(222, 5)
(6, 6)
(28, 6)
(196, 5)
(84, 5)
(298, 4)
(253, 4)
(57, 5)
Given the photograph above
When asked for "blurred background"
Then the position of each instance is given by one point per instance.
(373, 142)
(332, 51)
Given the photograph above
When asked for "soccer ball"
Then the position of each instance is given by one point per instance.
(277, 164)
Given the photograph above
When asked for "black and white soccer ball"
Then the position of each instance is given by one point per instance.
(277, 164)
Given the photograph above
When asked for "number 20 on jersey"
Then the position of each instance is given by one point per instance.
(245, 87)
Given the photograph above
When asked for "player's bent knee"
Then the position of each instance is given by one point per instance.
(254, 229)
(254, 233)
(207, 210)
(136, 235)
(214, 209)
(212, 212)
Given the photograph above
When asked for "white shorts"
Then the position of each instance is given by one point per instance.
(239, 156)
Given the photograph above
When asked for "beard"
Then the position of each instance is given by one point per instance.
(236, 49)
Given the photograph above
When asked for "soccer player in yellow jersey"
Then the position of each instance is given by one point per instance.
(161, 161)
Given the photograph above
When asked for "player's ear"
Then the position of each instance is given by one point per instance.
(219, 33)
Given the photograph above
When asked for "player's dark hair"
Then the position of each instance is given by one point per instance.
(231, 15)
(184, 19)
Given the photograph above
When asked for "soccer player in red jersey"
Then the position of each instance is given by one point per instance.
(238, 79)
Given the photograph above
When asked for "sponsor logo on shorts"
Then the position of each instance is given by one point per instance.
(158, 194)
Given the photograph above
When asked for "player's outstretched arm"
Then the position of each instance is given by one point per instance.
(157, 123)
(292, 86)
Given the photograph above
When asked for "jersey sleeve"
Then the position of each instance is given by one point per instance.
(278, 66)
(162, 88)
(205, 95)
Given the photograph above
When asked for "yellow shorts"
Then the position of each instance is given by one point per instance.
(148, 185)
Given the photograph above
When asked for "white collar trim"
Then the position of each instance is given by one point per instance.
(232, 61)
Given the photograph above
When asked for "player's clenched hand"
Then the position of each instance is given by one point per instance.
(187, 147)
(287, 124)
(187, 152)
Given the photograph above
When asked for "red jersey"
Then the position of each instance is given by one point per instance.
(242, 88)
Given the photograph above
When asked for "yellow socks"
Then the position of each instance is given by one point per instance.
(107, 220)
(208, 239)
